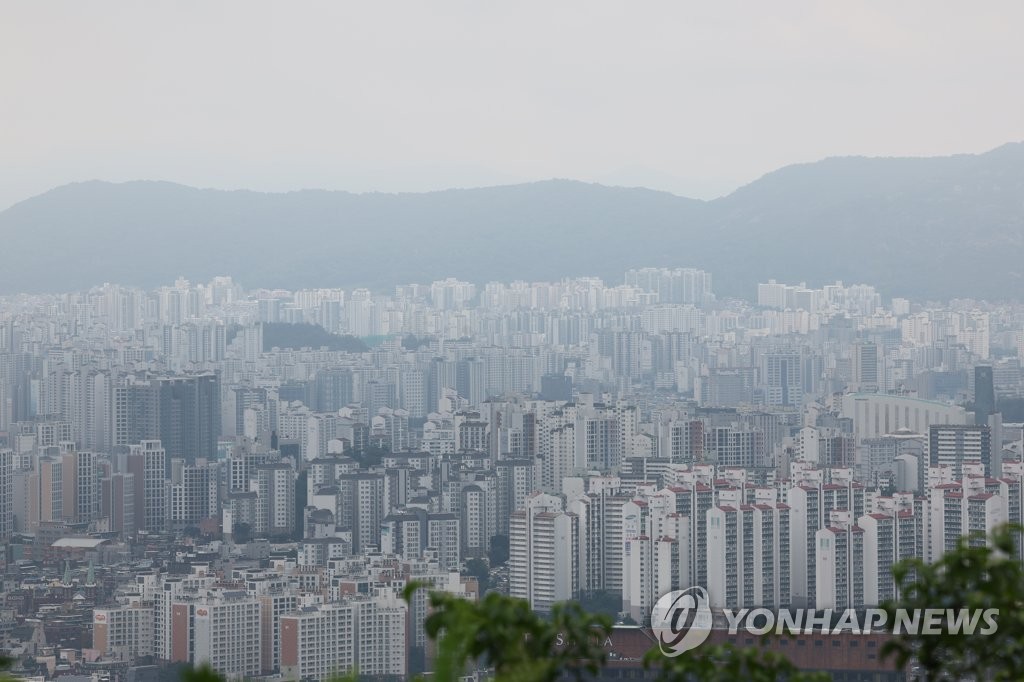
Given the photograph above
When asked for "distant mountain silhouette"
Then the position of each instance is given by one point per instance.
(929, 227)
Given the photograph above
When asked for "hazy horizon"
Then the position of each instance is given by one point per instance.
(607, 183)
(692, 100)
(587, 317)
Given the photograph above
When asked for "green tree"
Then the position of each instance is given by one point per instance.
(203, 673)
(241, 533)
(505, 635)
(370, 456)
(478, 569)
(498, 551)
(976, 575)
(602, 601)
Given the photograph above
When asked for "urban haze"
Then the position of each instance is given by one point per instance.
(302, 304)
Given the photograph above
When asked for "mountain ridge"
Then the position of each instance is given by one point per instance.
(1008, 147)
(922, 227)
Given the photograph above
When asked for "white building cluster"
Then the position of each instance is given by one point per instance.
(818, 539)
(623, 440)
(302, 623)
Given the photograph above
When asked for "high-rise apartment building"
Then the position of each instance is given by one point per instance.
(124, 632)
(811, 510)
(543, 553)
(147, 462)
(46, 503)
(117, 503)
(839, 567)
(192, 493)
(678, 285)
(274, 485)
(6, 494)
(782, 377)
(333, 389)
(80, 484)
(655, 554)
(868, 368)
(182, 411)
(984, 394)
(364, 634)
(360, 507)
(220, 628)
(747, 558)
(410, 533)
(516, 479)
(881, 552)
(954, 444)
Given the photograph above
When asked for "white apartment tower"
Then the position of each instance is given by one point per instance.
(655, 555)
(543, 555)
(221, 628)
(367, 634)
(880, 553)
(6, 494)
(840, 567)
(812, 504)
(746, 562)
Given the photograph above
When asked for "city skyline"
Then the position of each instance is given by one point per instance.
(462, 341)
(249, 477)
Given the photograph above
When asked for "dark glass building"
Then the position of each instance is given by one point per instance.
(984, 395)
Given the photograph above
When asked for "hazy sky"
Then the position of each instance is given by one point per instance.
(694, 98)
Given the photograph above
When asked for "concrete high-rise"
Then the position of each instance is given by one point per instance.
(193, 493)
(6, 494)
(218, 627)
(984, 395)
(953, 445)
(782, 377)
(147, 462)
(117, 503)
(274, 485)
(839, 567)
(812, 507)
(655, 554)
(360, 507)
(411, 532)
(183, 412)
(190, 414)
(333, 389)
(80, 484)
(748, 562)
(364, 634)
(867, 368)
(543, 553)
